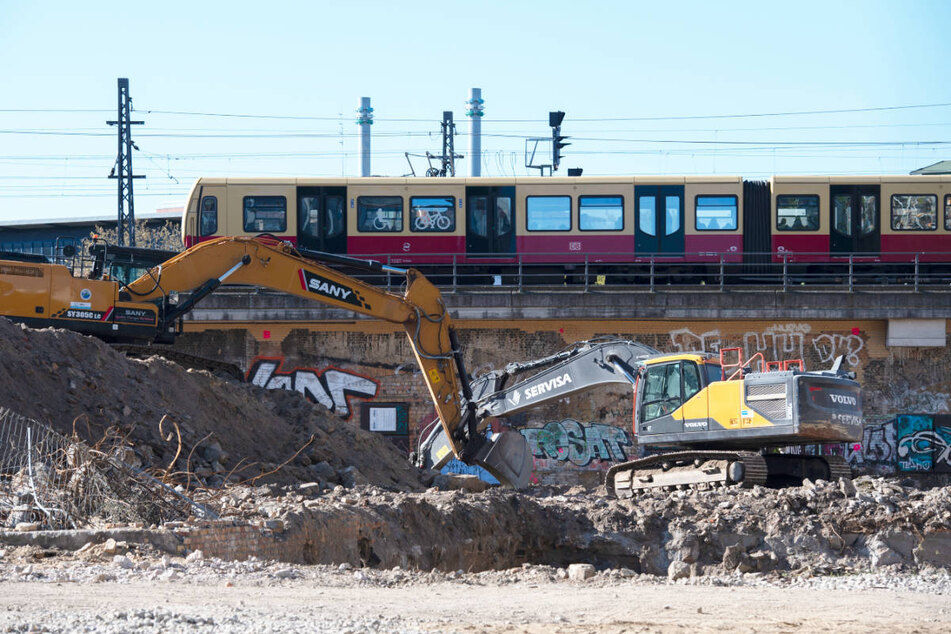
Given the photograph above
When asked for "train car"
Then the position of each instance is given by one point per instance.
(812, 221)
(426, 220)
(833, 219)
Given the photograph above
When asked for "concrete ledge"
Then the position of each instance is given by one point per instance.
(243, 305)
(75, 539)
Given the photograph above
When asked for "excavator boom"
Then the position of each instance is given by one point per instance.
(44, 294)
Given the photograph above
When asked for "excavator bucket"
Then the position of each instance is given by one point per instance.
(507, 457)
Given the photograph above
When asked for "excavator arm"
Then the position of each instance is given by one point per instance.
(420, 310)
(579, 368)
(582, 367)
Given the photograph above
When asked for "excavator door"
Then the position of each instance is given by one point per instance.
(660, 400)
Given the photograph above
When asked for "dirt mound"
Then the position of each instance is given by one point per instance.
(78, 383)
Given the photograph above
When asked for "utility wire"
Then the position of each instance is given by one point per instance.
(533, 120)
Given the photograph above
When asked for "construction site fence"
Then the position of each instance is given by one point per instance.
(53, 482)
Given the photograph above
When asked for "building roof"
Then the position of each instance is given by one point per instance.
(169, 213)
(941, 167)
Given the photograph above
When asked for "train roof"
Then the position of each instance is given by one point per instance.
(484, 181)
(490, 181)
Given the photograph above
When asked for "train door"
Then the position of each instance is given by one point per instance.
(854, 222)
(321, 219)
(490, 221)
(659, 219)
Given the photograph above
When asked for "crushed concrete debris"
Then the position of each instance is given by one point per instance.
(802, 531)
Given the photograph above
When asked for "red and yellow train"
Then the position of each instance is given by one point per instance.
(598, 220)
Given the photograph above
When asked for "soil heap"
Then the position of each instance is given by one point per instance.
(79, 384)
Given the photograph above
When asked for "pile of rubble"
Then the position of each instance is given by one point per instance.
(821, 527)
(186, 426)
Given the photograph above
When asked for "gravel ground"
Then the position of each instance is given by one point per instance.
(208, 595)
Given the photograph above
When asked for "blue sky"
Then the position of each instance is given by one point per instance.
(648, 88)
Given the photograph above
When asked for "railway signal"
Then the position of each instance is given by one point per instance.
(557, 140)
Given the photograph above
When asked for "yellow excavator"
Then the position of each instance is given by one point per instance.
(40, 293)
(709, 420)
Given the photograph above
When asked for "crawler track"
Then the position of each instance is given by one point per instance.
(686, 469)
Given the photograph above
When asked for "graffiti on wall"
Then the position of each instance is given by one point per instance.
(924, 443)
(878, 446)
(909, 442)
(776, 342)
(779, 341)
(331, 387)
(828, 347)
(686, 341)
(568, 441)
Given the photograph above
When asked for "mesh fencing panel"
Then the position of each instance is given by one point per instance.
(63, 483)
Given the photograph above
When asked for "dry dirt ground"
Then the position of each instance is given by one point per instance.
(449, 607)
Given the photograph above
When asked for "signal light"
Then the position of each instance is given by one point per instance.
(557, 140)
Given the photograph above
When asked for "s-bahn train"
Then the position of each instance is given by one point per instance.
(812, 221)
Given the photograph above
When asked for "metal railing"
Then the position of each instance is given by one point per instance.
(723, 271)
(708, 270)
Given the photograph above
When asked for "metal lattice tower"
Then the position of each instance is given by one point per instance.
(449, 155)
(125, 228)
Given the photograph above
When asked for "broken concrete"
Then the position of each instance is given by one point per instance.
(806, 530)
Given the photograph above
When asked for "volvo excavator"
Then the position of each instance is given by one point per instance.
(40, 293)
(713, 417)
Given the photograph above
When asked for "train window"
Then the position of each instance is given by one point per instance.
(336, 218)
(503, 216)
(208, 216)
(914, 212)
(648, 215)
(436, 213)
(717, 213)
(797, 213)
(869, 211)
(379, 213)
(673, 215)
(947, 212)
(548, 213)
(842, 214)
(600, 213)
(479, 216)
(265, 214)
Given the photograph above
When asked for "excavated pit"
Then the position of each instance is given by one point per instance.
(823, 527)
(347, 496)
